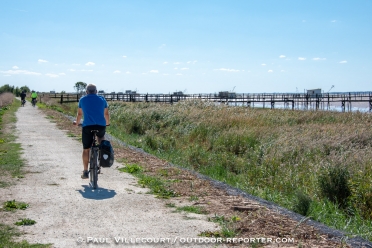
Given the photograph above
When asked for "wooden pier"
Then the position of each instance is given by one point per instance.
(325, 101)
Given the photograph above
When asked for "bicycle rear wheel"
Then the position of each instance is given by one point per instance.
(93, 168)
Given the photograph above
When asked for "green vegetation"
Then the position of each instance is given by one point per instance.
(228, 228)
(6, 238)
(157, 186)
(192, 209)
(80, 87)
(15, 90)
(10, 160)
(13, 205)
(25, 222)
(11, 164)
(315, 162)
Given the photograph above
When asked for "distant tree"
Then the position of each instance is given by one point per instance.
(17, 91)
(80, 87)
(6, 88)
(63, 92)
(25, 88)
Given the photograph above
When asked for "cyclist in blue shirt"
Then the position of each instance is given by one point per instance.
(94, 108)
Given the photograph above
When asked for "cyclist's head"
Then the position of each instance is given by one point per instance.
(33, 91)
(91, 89)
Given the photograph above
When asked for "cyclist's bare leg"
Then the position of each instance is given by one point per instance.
(86, 158)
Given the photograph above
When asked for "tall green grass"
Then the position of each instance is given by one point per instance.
(273, 154)
(288, 157)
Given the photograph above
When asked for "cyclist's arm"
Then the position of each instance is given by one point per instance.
(107, 117)
(78, 116)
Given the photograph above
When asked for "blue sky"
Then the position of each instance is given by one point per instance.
(195, 46)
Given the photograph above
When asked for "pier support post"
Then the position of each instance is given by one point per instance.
(343, 105)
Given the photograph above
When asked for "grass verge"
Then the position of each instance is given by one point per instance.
(11, 166)
(157, 186)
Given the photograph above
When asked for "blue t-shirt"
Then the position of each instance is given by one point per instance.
(93, 107)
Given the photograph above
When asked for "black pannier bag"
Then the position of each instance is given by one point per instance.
(106, 157)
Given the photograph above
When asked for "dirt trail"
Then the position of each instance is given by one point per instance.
(67, 210)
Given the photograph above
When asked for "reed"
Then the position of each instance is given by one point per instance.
(273, 154)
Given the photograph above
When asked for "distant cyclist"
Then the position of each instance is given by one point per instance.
(23, 98)
(33, 97)
(94, 108)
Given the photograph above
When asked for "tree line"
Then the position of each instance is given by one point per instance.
(15, 90)
(79, 87)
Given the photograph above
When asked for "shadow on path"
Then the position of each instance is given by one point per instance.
(96, 194)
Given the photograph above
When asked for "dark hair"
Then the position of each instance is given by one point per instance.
(91, 89)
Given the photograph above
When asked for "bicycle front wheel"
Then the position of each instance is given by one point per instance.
(94, 168)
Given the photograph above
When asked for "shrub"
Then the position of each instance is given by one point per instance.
(302, 203)
(334, 185)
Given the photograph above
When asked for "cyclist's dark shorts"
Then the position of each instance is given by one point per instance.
(87, 135)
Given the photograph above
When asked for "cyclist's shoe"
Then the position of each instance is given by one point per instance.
(99, 170)
(85, 175)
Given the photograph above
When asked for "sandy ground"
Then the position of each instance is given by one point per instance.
(71, 214)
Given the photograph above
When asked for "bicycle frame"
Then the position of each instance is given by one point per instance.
(94, 161)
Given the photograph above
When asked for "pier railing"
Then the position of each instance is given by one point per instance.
(325, 101)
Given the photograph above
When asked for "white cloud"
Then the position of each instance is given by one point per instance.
(76, 64)
(189, 62)
(282, 71)
(263, 64)
(178, 74)
(301, 58)
(270, 71)
(62, 74)
(343, 62)
(176, 68)
(124, 56)
(165, 62)
(229, 70)
(184, 69)
(117, 71)
(154, 71)
(282, 56)
(15, 67)
(42, 61)
(90, 64)
(17, 72)
(127, 72)
(79, 70)
(52, 75)
(176, 63)
(319, 58)
(165, 74)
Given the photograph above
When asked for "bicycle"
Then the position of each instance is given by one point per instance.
(33, 102)
(23, 102)
(94, 166)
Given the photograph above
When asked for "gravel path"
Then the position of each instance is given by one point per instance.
(67, 210)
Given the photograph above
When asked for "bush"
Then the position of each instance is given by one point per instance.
(334, 185)
(302, 203)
